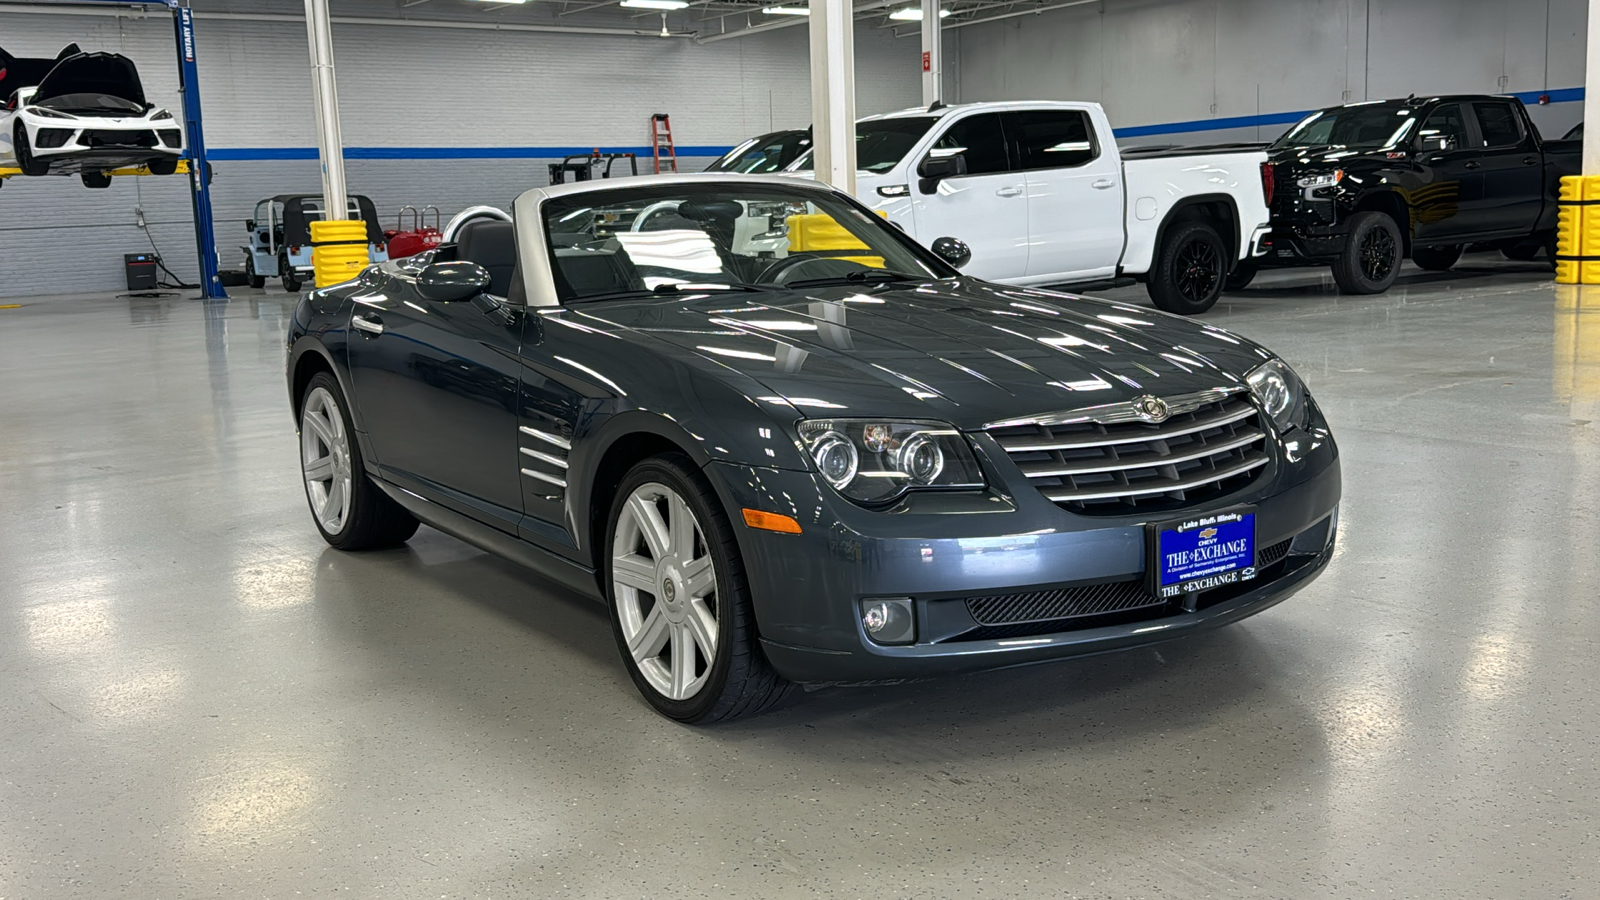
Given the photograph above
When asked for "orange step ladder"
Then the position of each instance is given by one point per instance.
(661, 140)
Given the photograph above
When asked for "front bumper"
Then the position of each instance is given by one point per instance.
(943, 550)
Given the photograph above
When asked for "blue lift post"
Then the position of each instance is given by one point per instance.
(205, 237)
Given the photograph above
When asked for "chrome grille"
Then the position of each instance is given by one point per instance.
(1115, 466)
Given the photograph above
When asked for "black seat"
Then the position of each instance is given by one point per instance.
(492, 244)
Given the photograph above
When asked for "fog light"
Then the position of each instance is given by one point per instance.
(889, 621)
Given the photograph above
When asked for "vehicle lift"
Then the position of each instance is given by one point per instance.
(194, 161)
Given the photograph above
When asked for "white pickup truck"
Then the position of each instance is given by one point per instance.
(1041, 196)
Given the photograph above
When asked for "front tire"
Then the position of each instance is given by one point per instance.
(23, 151)
(99, 180)
(257, 280)
(1241, 276)
(1436, 259)
(1190, 269)
(163, 166)
(351, 512)
(1371, 257)
(679, 599)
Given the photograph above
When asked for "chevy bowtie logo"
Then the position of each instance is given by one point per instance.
(1207, 534)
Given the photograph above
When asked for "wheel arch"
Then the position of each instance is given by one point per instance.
(1221, 211)
(1393, 205)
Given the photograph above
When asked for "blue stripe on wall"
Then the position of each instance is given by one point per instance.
(220, 154)
(1563, 95)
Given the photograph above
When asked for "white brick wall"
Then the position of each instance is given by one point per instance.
(398, 87)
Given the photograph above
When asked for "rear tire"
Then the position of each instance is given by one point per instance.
(162, 166)
(1190, 268)
(1371, 257)
(1436, 259)
(23, 151)
(1241, 276)
(675, 582)
(95, 179)
(286, 272)
(351, 512)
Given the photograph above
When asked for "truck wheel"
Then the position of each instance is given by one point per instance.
(1436, 259)
(1371, 257)
(1241, 276)
(1190, 269)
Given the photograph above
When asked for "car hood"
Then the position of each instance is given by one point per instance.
(960, 350)
(93, 73)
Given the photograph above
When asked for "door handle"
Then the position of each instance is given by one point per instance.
(373, 325)
(1530, 160)
(1009, 192)
(1473, 164)
(1103, 185)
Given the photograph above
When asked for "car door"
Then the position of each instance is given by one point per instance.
(1512, 169)
(1075, 195)
(1449, 191)
(437, 386)
(987, 207)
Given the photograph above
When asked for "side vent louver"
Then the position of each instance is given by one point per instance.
(544, 456)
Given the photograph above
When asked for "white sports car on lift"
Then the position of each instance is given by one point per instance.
(86, 116)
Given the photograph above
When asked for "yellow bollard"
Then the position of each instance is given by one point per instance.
(338, 251)
(1589, 233)
(1569, 230)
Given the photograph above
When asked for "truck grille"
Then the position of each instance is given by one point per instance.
(1205, 451)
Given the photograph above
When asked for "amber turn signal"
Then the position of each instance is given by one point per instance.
(766, 521)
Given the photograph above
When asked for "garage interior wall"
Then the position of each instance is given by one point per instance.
(1170, 71)
(405, 88)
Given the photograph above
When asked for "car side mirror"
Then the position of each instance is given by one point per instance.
(450, 282)
(934, 169)
(1438, 143)
(249, 224)
(953, 251)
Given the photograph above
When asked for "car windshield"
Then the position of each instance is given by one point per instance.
(1576, 134)
(1355, 127)
(764, 155)
(882, 143)
(90, 101)
(692, 238)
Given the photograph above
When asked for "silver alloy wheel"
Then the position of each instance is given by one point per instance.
(325, 459)
(665, 586)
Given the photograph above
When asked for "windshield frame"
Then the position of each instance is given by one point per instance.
(537, 249)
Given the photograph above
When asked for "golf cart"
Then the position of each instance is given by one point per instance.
(280, 237)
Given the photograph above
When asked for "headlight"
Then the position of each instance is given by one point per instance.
(48, 113)
(876, 460)
(162, 114)
(1326, 179)
(1279, 391)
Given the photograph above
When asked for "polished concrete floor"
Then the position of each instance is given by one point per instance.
(198, 699)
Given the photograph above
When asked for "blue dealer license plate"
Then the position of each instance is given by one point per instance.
(1204, 552)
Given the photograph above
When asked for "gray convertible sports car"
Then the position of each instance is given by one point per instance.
(784, 443)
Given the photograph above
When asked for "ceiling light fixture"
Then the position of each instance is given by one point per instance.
(504, 2)
(914, 14)
(785, 11)
(655, 4)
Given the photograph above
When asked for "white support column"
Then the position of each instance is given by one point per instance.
(932, 54)
(325, 97)
(833, 92)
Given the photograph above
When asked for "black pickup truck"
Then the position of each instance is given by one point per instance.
(1361, 187)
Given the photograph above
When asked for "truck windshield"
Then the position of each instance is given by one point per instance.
(1356, 127)
(881, 143)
